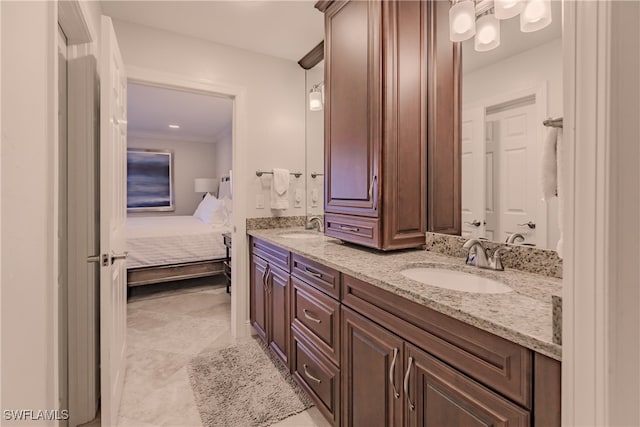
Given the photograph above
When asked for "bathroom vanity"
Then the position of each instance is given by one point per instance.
(373, 347)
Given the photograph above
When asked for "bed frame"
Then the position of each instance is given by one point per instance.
(168, 273)
(171, 272)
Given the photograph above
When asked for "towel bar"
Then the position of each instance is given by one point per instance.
(296, 174)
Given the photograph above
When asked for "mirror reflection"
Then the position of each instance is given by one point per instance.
(507, 94)
(314, 90)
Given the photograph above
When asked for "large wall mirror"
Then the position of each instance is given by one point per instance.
(314, 95)
(507, 93)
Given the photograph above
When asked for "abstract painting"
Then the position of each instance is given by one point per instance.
(150, 180)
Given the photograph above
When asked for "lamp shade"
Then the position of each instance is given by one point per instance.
(205, 185)
(535, 16)
(315, 100)
(487, 33)
(462, 21)
(506, 9)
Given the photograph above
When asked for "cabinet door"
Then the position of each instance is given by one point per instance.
(371, 373)
(258, 289)
(278, 336)
(440, 396)
(353, 124)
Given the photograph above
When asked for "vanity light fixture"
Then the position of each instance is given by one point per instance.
(506, 9)
(462, 20)
(535, 16)
(487, 33)
(174, 126)
(316, 98)
(472, 17)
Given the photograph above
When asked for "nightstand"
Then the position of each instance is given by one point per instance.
(227, 261)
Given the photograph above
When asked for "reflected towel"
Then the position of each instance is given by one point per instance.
(549, 172)
(560, 154)
(279, 189)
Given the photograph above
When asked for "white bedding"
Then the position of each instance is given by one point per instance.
(163, 240)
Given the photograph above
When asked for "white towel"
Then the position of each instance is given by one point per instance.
(279, 189)
(549, 172)
(561, 186)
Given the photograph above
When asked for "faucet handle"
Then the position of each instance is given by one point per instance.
(496, 259)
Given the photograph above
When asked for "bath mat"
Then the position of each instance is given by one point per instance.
(244, 385)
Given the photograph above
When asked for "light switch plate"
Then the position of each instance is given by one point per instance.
(259, 201)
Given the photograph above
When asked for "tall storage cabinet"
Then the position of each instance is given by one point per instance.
(391, 111)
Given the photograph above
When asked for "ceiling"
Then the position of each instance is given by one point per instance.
(512, 41)
(152, 109)
(284, 29)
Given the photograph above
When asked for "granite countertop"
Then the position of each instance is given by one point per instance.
(523, 316)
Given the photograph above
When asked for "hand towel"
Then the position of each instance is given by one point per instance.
(561, 156)
(279, 189)
(549, 172)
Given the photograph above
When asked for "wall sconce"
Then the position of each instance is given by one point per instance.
(316, 97)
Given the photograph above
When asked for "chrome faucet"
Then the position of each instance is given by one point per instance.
(515, 238)
(315, 223)
(478, 255)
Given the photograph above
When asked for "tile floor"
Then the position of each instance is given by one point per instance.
(167, 326)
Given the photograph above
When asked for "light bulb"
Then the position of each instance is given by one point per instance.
(462, 21)
(535, 16)
(487, 33)
(505, 9)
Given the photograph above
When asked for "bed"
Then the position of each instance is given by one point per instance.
(168, 248)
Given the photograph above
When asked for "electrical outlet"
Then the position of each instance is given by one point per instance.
(259, 201)
(314, 198)
(297, 199)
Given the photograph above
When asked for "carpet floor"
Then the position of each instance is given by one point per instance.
(244, 385)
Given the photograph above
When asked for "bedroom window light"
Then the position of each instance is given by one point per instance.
(205, 185)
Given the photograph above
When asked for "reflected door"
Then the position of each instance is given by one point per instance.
(513, 173)
(473, 171)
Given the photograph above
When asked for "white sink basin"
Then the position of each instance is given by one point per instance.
(455, 280)
(301, 235)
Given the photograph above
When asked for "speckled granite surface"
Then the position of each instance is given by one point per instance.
(276, 222)
(556, 301)
(524, 258)
(523, 316)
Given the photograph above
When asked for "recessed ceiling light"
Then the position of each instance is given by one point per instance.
(174, 126)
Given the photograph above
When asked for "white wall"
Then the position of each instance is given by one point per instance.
(275, 105)
(29, 221)
(190, 160)
(526, 70)
(223, 152)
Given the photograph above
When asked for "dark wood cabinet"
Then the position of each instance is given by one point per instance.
(269, 305)
(438, 396)
(391, 102)
(371, 373)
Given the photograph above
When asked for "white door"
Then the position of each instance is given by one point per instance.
(515, 133)
(491, 179)
(113, 214)
(473, 194)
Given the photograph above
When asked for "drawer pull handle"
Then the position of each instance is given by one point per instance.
(406, 385)
(311, 377)
(349, 228)
(392, 370)
(313, 273)
(310, 317)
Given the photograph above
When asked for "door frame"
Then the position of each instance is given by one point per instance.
(539, 92)
(240, 323)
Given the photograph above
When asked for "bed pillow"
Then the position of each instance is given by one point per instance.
(211, 211)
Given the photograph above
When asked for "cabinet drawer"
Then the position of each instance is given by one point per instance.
(317, 275)
(361, 230)
(500, 364)
(274, 254)
(317, 317)
(317, 375)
